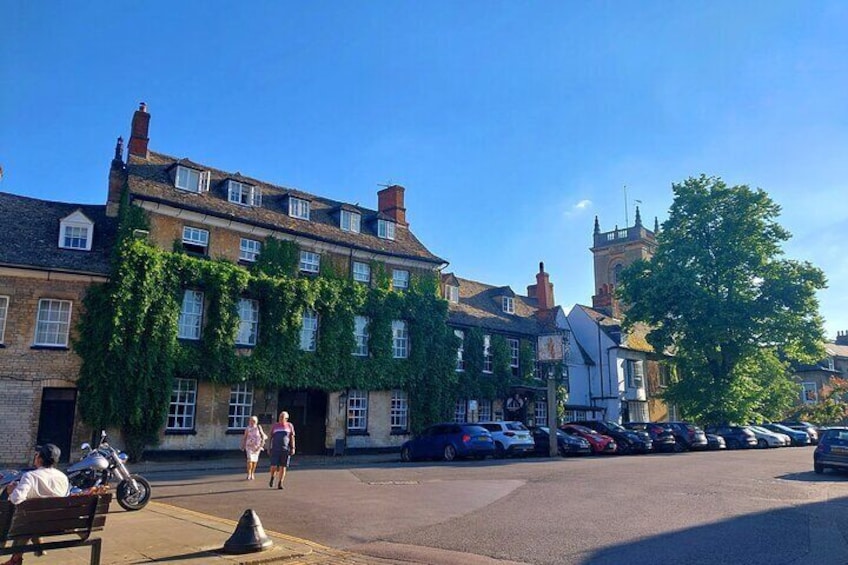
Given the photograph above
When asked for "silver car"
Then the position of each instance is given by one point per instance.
(511, 438)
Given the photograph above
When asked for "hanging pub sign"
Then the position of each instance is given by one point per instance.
(550, 348)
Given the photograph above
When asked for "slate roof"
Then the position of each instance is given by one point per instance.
(636, 339)
(836, 349)
(29, 236)
(480, 306)
(150, 179)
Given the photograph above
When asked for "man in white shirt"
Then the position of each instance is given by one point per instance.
(42, 482)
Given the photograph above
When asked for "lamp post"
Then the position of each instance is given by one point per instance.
(551, 353)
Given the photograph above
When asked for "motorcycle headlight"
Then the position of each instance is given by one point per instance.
(123, 457)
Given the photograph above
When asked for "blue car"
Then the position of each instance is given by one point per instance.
(832, 451)
(449, 441)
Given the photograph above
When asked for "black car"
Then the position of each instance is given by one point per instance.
(811, 430)
(688, 436)
(628, 441)
(832, 450)
(567, 444)
(661, 434)
(736, 437)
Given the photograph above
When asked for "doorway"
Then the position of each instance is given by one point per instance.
(308, 412)
(56, 419)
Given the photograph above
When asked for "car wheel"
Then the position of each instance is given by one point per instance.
(679, 447)
(450, 452)
(818, 468)
(762, 444)
(623, 449)
(733, 444)
(499, 450)
(406, 455)
(562, 451)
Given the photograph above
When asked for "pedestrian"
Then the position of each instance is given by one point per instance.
(42, 482)
(252, 443)
(282, 448)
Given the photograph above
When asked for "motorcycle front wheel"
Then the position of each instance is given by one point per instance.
(134, 499)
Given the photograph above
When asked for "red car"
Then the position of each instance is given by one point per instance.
(599, 442)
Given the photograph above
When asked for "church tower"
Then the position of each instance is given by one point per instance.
(613, 251)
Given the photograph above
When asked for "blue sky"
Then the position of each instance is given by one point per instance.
(511, 124)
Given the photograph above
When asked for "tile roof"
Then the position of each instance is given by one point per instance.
(29, 235)
(150, 179)
(480, 306)
(836, 349)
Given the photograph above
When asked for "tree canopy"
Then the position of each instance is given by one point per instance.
(720, 296)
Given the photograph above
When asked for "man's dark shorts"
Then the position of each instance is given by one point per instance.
(280, 459)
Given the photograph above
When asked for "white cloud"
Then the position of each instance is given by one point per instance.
(578, 208)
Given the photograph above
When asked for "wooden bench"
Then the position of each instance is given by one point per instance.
(73, 518)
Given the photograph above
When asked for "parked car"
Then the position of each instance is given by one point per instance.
(767, 438)
(736, 437)
(798, 437)
(511, 438)
(448, 441)
(598, 442)
(661, 434)
(715, 442)
(627, 441)
(567, 444)
(811, 430)
(832, 450)
(688, 436)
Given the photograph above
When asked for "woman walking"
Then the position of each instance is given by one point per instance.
(252, 443)
(282, 448)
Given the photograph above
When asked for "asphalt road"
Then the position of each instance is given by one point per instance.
(732, 507)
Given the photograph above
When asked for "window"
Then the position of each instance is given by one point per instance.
(616, 274)
(241, 406)
(460, 351)
(309, 330)
(249, 249)
(357, 411)
(664, 375)
(4, 312)
(310, 262)
(385, 229)
(540, 412)
(76, 237)
(244, 194)
(53, 322)
(195, 240)
(400, 411)
(75, 232)
(810, 393)
(831, 364)
(484, 411)
(452, 293)
(298, 208)
(350, 221)
(400, 279)
(361, 272)
(487, 354)
(360, 335)
(460, 415)
(400, 340)
(181, 408)
(508, 305)
(248, 311)
(191, 315)
(513, 354)
(192, 180)
(633, 373)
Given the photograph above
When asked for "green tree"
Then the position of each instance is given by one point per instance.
(720, 296)
(830, 409)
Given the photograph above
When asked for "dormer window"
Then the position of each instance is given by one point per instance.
(452, 293)
(192, 180)
(350, 221)
(244, 194)
(75, 232)
(508, 304)
(385, 229)
(298, 208)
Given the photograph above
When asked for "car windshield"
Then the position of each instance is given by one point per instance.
(837, 437)
(580, 429)
(614, 426)
(516, 426)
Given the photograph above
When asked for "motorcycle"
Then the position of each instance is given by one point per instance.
(99, 465)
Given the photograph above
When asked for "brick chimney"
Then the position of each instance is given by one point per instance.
(140, 127)
(543, 290)
(842, 338)
(117, 180)
(390, 202)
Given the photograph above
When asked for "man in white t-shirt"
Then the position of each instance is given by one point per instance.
(42, 482)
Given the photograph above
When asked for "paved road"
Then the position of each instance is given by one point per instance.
(752, 507)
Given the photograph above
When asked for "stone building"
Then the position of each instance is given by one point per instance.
(50, 253)
(813, 377)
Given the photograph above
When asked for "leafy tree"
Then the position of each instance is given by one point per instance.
(719, 295)
(831, 407)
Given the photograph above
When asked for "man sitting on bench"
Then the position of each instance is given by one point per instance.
(42, 482)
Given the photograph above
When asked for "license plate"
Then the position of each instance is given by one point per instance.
(839, 449)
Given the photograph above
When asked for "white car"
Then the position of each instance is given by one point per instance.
(768, 438)
(511, 438)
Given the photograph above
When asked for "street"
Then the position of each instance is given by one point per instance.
(752, 507)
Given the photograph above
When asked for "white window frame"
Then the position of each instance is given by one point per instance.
(452, 293)
(53, 322)
(460, 351)
(350, 221)
(190, 321)
(248, 331)
(243, 194)
(400, 279)
(487, 353)
(508, 305)
(360, 336)
(484, 410)
(357, 411)
(240, 407)
(514, 351)
(196, 237)
(400, 339)
(540, 413)
(197, 181)
(634, 372)
(299, 208)
(399, 414)
(361, 272)
(309, 330)
(75, 237)
(249, 249)
(183, 406)
(386, 229)
(460, 411)
(809, 393)
(310, 262)
(4, 314)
